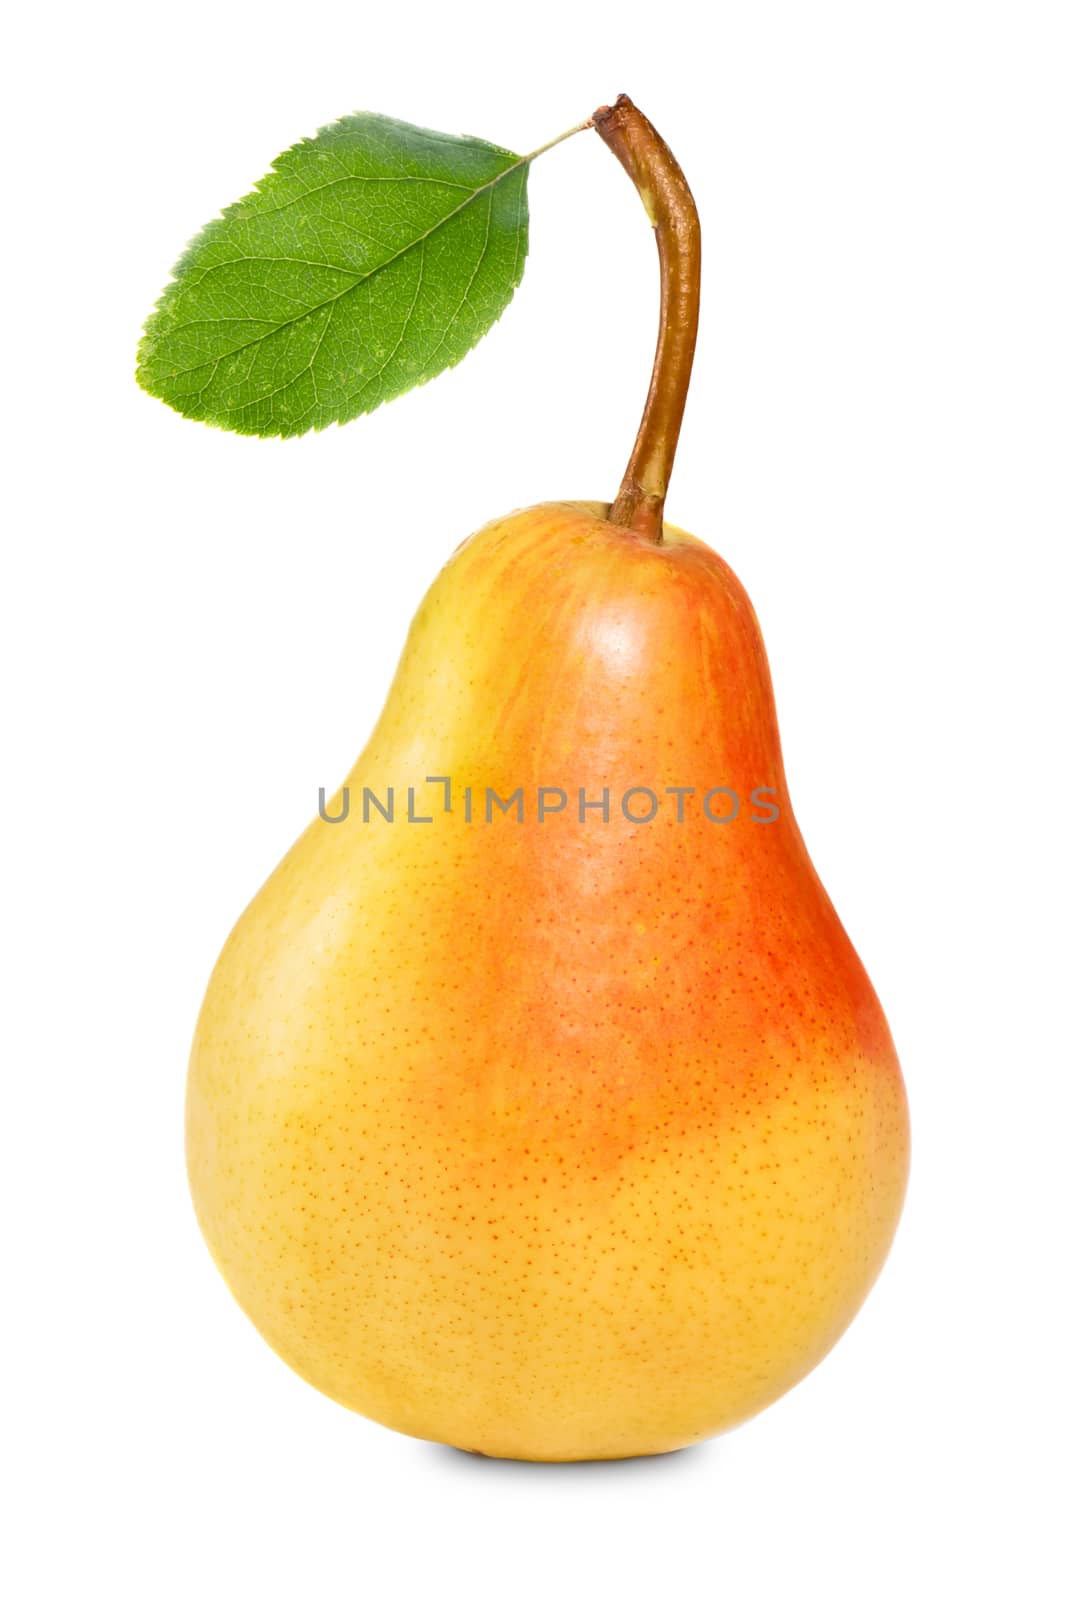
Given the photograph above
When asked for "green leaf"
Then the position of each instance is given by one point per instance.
(371, 258)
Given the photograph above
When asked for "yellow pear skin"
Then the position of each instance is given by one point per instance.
(556, 1138)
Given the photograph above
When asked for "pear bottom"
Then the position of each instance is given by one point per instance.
(551, 1309)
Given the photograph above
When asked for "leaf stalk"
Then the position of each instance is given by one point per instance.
(580, 127)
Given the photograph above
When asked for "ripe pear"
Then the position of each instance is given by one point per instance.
(555, 1138)
(575, 1135)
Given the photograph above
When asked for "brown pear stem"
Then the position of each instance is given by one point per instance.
(652, 167)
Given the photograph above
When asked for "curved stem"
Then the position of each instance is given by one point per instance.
(652, 167)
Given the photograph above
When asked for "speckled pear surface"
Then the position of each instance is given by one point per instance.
(553, 1139)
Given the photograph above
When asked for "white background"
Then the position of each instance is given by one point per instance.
(887, 439)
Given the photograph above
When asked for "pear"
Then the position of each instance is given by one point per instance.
(539, 1103)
